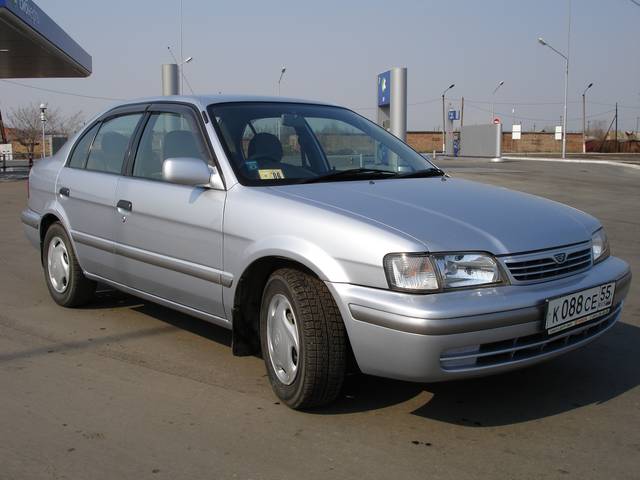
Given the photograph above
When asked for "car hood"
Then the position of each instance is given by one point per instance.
(454, 214)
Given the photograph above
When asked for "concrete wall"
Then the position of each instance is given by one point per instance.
(536, 142)
(425, 142)
(531, 142)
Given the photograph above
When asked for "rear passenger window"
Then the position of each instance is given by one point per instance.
(111, 143)
(167, 135)
(79, 155)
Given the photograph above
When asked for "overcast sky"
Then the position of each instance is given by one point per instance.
(334, 49)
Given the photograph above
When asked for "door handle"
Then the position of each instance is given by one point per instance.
(64, 192)
(125, 205)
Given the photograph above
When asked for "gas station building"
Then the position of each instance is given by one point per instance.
(32, 45)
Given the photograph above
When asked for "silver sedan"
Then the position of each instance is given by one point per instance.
(317, 237)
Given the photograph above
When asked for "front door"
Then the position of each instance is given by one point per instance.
(170, 236)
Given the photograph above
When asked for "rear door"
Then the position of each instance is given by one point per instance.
(87, 187)
(170, 241)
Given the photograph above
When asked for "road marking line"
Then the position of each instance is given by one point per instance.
(584, 160)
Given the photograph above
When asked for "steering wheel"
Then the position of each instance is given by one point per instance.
(263, 157)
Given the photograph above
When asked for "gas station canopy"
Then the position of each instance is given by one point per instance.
(34, 46)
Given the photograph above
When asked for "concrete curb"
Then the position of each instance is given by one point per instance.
(559, 160)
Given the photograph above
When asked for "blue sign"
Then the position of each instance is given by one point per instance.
(454, 115)
(384, 89)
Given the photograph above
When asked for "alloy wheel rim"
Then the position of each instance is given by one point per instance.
(283, 339)
(58, 265)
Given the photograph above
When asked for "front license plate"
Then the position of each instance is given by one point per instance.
(580, 307)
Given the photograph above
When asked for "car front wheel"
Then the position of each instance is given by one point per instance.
(303, 339)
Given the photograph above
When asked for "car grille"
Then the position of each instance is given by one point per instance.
(522, 348)
(545, 267)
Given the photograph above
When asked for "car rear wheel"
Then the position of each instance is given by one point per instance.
(67, 284)
(303, 339)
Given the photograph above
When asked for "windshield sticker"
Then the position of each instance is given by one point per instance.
(271, 174)
(252, 165)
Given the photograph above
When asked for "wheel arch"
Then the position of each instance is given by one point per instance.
(247, 299)
(48, 219)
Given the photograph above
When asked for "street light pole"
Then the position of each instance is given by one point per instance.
(181, 47)
(43, 119)
(282, 72)
(566, 95)
(584, 118)
(181, 73)
(493, 101)
(444, 128)
(566, 80)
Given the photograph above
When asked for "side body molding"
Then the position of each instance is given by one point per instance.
(175, 264)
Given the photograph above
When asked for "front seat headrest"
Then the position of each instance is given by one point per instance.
(181, 143)
(265, 144)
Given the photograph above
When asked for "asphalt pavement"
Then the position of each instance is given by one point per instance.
(125, 389)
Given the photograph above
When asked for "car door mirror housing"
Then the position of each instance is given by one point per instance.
(192, 172)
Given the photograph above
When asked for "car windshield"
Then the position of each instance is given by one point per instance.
(285, 143)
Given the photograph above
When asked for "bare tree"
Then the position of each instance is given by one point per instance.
(27, 126)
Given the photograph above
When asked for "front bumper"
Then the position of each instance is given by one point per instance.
(426, 338)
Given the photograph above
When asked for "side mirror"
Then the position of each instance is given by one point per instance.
(192, 172)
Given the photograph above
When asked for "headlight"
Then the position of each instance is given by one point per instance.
(599, 246)
(429, 273)
(459, 270)
(410, 272)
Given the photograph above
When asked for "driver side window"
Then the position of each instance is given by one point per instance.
(167, 135)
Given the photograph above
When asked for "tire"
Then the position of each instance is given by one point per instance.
(317, 368)
(67, 284)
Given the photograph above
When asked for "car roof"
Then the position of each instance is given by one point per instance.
(205, 100)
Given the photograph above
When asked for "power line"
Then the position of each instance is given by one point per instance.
(412, 104)
(515, 104)
(60, 92)
(519, 117)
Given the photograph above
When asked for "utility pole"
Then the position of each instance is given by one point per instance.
(617, 146)
(462, 115)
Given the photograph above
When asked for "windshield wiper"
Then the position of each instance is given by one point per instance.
(429, 172)
(350, 173)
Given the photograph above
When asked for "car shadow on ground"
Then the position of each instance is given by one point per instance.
(592, 375)
(107, 298)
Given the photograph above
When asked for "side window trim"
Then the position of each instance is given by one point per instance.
(80, 138)
(127, 166)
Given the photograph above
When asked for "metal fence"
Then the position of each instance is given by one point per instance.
(15, 166)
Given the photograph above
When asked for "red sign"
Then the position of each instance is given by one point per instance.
(496, 121)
